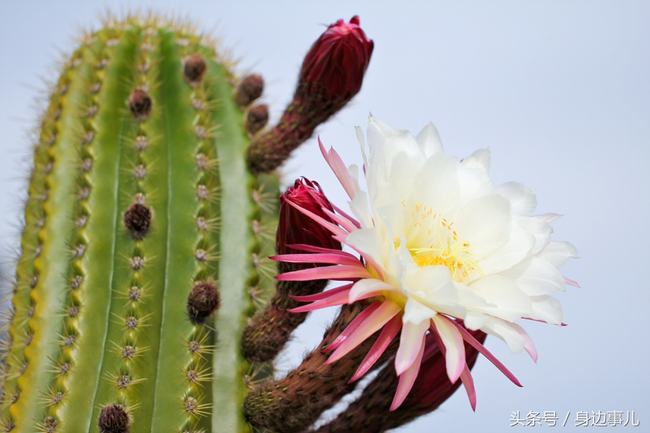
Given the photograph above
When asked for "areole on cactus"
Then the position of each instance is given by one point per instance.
(161, 270)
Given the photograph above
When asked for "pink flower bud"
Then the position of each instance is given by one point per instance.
(295, 227)
(337, 61)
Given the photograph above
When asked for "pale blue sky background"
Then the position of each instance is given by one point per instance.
(559, 90)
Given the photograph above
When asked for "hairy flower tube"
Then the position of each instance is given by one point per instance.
(443, 252)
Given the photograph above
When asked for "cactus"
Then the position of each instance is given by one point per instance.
(150, 218)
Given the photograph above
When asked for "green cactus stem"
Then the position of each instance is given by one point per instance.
(140, 165)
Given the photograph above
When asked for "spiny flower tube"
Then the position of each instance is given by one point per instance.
(443, 252)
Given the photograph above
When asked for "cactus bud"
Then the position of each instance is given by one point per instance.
(202, 302)
(257, 117)
(140, 104)
(295, 227)
(249, 89)
(137, 220)
(113, 419)
(194, 68)
(337, 61)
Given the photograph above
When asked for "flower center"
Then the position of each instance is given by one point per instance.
(433, 241)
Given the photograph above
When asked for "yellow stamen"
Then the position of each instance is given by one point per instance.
(433, 241)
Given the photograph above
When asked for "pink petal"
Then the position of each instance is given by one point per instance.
(378, 348)
(430, 346)
(550, 217)
(352, 326)
(315, 249)
(338, 167)
(454, 348)
(472, 341)
(367, 288)
(366, 257)
(410, 340)
(340, 220)
(542, 321)
(336, 259)
(571, 282)
(378, 318)
(321, 295)
(465, 376)
(529, 345)
(336, 230)
(406, 380)
(350, 218)
(336, 272)
(339, 298)
(468, 383)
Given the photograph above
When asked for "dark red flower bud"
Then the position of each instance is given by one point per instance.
(331, 74)
(338, 60)
(295, 227)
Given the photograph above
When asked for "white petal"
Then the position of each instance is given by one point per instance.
(517, 249)
(540, 278)
(359, 207)
(474, 320)
(429, 140)
(360, 138)
(473, 176)
(385, 141)
(514, 335)
(479, 159)
(436, 184)
(365, 241)
(415, 313)
(547, 309)
(430, 285)
(484, 223)
(558, 253)
(539, 228)
(508, 300)
(522, 199)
